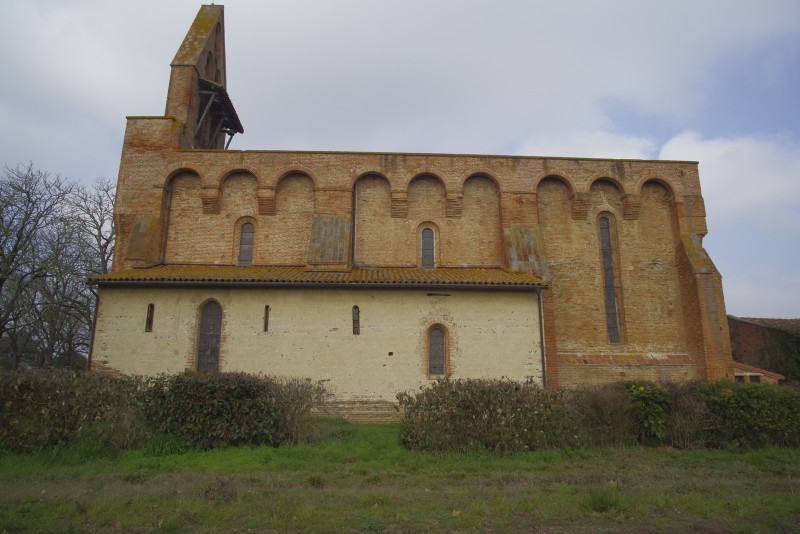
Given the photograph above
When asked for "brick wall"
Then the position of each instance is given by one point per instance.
(764, 347)
(525, 213)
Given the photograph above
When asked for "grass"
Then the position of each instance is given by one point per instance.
(359, 479)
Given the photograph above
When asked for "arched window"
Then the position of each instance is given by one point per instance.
(266, 318)
(208, 337)
(610, 286)
(356, 321)
(148, 322)
(246, 244)
(428, 256)
(436, 351)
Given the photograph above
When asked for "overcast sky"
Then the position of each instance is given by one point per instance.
(716, 81)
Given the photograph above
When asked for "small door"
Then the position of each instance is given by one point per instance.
(209, 337)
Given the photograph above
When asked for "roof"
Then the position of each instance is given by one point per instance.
(225, 101)
(302, 276)
(780, 324)
(753, 369)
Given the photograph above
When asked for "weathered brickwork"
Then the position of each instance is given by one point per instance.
(180, 203)
(768, 344)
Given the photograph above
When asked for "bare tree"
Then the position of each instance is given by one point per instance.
(93, 209)
(31, 202)
(53, 235)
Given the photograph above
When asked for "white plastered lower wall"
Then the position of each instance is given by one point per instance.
(490, 334)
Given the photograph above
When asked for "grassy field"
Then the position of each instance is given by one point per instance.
(359, 479)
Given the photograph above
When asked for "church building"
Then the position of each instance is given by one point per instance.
(380, 272)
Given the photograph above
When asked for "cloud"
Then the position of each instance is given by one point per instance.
(589, 144)
(751, 187)
(755, 177)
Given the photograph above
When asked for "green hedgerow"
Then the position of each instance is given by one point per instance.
(48, 408)
(209, 410)
(496, 416)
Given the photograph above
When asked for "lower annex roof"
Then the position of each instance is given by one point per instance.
(302, 276)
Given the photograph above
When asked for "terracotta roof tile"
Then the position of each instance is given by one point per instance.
(780, 324)
(745, 367)
(301, 275)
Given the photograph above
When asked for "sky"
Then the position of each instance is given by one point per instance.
(714, 81)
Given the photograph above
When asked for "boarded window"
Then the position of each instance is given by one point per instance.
(209, 337)
(356, 321)
(609, 280)
(246, 244)
(427, 249)
(148, 322)
(436, 351)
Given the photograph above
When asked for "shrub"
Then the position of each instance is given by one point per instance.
(690, 422)
(753, 415)
(606, 415)
(650, 406)
(48, 408)
(498, 416)
(209, 410)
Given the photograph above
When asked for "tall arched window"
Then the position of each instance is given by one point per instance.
(208, 337)
(246, 244)
(428, 256)
(436, 351)
(609, 278)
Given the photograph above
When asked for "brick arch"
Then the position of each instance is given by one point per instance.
(370, 174)
(182, 168)
(427, 196)
(606, 178)
(451, 342)
(567, 182)
(244, 169)
(660, 181)
(481, 174)
(481, 219)
(372, 222)
(289, 233)
(295, 170)
(427, 174)
(600, 201)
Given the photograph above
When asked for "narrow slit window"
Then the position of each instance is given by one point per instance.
(148, 323)
(609, 280)
(436, 351)
(246, 244)
(266, 318)
(356, 321)
(427, 249)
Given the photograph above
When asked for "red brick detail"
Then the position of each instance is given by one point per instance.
(453, 206)
(632, 205)
(580, 206)
(266, 201)
(399, 204)
(210, 197)
(625, 359)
